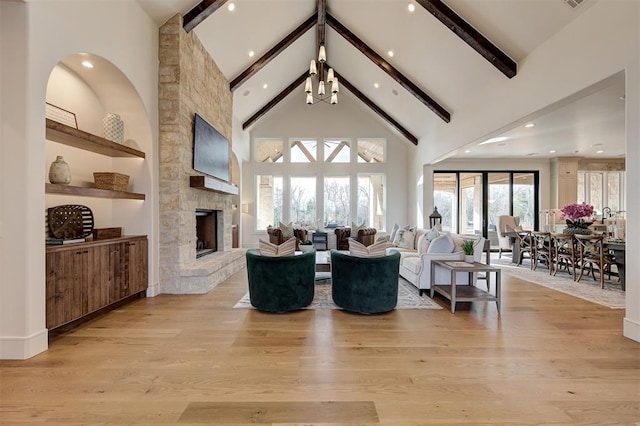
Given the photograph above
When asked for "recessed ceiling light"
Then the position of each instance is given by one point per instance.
(246, 93)
(264, 86)
(599, 151)
(251, 53)
(502, 144)
(376, 85)
(528, 125)
(552, 151)
(494, 140)
(411, 7)
(395, 92)
(531, 154)
(231, 7)
(596, 144)
(390, 53)
(87, 64)
(466, 151)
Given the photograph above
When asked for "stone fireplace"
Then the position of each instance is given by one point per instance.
(190, 82)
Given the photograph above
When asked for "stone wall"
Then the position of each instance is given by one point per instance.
(189, 82)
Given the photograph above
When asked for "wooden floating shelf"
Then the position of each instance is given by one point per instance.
(210, 184)
(61, 133)
(53, 188)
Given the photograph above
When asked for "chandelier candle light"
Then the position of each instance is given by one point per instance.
(331, 81)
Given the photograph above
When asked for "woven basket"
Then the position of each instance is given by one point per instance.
(110, 180)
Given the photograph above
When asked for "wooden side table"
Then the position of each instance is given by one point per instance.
(464, 292)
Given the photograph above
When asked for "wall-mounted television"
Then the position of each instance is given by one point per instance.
(210, 150)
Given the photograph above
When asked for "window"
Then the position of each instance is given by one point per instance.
(268, 201)
(371, 151)
(303, 201)
(602, 189)
(337, 151)
(524, 199)
(445, 199)
(268, 151)
(371, 200)
(336, 201)
(304, 151)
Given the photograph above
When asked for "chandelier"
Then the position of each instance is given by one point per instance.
(331, 81)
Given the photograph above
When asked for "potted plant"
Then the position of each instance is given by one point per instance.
(467, 248)
(305, 246)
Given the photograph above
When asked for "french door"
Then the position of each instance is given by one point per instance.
(470, 202)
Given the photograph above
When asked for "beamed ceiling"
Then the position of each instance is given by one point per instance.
(442, 51)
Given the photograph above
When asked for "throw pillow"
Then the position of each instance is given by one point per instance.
(393, 232)
(442, 244)
(382, 239)
(374, 250)
(405, 238)
(288, 248)
(432, 234)
(287, 229)
(355, 228)
(423, 244)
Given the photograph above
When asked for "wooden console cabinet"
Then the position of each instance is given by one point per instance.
(83, 278)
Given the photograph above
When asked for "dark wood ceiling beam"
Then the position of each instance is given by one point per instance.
(273, 52)
(471, 36)
(389, 69)
(368, 102)
(200, 12)
(273, 102)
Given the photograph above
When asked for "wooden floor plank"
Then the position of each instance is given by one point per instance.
(549, 358)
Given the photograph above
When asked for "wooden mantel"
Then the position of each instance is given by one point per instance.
(211, 184)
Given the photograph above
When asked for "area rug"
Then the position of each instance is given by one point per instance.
(588, 289)
(408, 298)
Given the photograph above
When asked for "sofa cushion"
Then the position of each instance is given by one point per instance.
(374, 250)
(288, 248)
(287, 229)
(413, 264)
(405, 238)
(442, 244)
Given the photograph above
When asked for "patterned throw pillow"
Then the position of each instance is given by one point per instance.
(288, 248)
(374, 250)
(287, 229)
(442, 244)
(355, 228)
(405, 238)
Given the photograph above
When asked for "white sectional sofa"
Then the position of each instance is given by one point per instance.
(415, 261)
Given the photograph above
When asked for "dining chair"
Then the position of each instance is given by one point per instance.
(563, 253)
(592, 256)
(526, 245)
(542, 241)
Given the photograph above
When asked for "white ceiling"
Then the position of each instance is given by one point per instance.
(425, 51)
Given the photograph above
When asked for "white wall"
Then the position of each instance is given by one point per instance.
(602, 41)
(34, 37)
(350, 119)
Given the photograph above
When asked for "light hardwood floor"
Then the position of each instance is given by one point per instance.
(548, 359)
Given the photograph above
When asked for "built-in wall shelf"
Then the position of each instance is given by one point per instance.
(210, 184)
(61, 133)
(54, 188)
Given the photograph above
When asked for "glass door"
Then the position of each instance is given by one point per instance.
(471, 185)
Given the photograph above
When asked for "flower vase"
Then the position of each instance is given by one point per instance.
(468, 258)
(59, 172)
(574, 230)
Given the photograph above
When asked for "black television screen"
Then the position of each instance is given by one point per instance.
(210, 150)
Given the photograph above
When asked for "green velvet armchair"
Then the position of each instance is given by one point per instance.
(281, 284)
(365, 285)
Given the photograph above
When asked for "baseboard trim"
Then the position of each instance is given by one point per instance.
(24, 347)
(631, 329)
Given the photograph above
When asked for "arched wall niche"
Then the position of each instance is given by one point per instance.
(90, 93)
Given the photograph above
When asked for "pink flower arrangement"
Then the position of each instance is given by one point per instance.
(575, 215)
(577, 211)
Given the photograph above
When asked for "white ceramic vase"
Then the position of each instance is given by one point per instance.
(468, 258)
(59, 172)
(113, 127)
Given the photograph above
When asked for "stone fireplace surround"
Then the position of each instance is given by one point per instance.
(190, 82)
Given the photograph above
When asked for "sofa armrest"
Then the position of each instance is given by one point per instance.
(367, 236)
(275, 235)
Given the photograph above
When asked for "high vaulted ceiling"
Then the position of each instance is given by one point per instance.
(425, 51)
